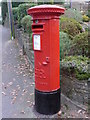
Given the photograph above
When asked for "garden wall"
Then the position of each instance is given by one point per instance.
(74, 89)
(24, 42)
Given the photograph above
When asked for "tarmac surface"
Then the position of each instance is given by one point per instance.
(18, 85)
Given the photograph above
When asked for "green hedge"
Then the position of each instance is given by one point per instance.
(70, 26)
(26, 23)
(50, 2)
(30, 37)
(0, 22)
(4, 11)
(16, 4)
(22, 11)
(65, 44)
(88, 13)
(80, 44)
(15, 13)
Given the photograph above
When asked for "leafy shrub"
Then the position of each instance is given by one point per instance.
(26, 23)
(85, 18)
(0, 22)
(77, 64)
(58, 1)
(65, 44)
(80, 44)
(44, 2)
(50, 2)
(22, 11)
(16, 4)
(75, 14)
(88, 13)
(15, 13)
(82, 76)
(31, 38)
(4, 11)
(70, 26)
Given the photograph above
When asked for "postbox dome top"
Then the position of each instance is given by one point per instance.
(45, 9)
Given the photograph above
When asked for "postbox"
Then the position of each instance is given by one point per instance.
(45, 36)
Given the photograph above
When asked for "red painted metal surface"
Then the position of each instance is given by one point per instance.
(46, 25)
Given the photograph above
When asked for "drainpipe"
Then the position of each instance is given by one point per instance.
(9, 3)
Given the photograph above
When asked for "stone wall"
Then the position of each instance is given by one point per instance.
(24, 42)
(74, 89)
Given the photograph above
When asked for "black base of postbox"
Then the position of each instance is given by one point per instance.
(47, 103)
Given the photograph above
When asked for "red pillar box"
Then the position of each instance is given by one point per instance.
(45, 30)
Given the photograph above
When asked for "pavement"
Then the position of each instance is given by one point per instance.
(17, 80)
(18, 85)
